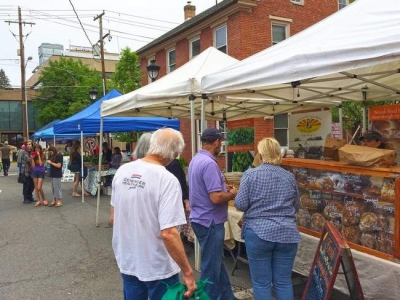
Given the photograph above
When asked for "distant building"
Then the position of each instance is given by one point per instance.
(46, 50)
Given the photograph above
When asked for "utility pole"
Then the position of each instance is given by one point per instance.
(101, 41)
(24, 101)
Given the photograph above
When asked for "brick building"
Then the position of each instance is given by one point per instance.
(239, 28)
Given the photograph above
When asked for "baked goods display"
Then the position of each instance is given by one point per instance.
(361, 206)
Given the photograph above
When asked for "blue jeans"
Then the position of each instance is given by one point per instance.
(6, 164)
(270, 263)
(134, 289)
(212, 267)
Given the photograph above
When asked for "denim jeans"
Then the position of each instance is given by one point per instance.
(28, 188)
(212, 267)
(270, 263)
(134, 289)
(6, 164)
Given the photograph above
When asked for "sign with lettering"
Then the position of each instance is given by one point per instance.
(384, 112)
(332, 252)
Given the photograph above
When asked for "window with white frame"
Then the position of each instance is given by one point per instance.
(194, 47)
(221, 39)
(280, 32)
(343, 3)
(171, 60)
(281, 129)
(220, 125)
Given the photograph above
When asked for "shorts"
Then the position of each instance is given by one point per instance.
(37, 174)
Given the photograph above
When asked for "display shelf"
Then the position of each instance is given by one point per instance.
(361, 202)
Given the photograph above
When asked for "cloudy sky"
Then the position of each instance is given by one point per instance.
(132, 23)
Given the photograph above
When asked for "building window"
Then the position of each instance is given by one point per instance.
(343, 3)
(281, 129)
(220, 39)
(280, 32)
(194, 47)
(221, 125)
(171, 61)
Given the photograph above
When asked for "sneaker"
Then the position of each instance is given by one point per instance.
(26, 202)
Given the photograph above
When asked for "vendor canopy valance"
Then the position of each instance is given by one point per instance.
(353, 55)
(88, 120)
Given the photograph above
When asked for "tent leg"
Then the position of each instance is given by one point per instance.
(98, 178)
(82, 184)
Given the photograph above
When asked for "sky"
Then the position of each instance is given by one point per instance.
(132, 23)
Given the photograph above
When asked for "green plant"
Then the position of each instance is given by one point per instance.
(241, 161)
(182, 162)
(241, 136)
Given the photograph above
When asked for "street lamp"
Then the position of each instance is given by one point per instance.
(153, 70)
(93, 94)
(26, 100)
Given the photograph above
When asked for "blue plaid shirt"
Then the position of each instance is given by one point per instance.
(269, 197)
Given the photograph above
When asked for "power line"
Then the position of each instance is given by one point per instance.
(73, 8)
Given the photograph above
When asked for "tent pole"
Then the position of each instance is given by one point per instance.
(203, 113)
(98, 178)
(192, 124)
(341, 120)
(364, 120)
(82, 184)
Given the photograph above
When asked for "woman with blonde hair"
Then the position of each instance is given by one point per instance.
(38, 173)
(269, 197)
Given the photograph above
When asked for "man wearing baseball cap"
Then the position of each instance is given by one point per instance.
(372, 139)
(208, 197)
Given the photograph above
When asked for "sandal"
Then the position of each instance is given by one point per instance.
(87, 194)
(76, 195)
(53, 203)
(38, 204)
(45, 202)
(59, 204)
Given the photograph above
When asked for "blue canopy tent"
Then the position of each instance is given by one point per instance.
(48, 134)
(90, 120)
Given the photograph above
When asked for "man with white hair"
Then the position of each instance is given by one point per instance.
(147, 201)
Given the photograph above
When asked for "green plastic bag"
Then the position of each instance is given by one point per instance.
(176, 291)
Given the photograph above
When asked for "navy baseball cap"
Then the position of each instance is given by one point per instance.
(212, 134)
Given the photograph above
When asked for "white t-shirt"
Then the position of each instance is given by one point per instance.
(147, 199)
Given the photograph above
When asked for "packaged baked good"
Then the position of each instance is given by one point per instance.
(317, 222)
(306, 202)
(369, 240)
(351, 214)
(303, 218)
(333, 210)
(352, 233)
(387, 191)
(368, 222)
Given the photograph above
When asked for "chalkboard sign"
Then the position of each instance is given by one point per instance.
(332, 252)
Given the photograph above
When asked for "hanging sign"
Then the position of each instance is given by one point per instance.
(90, 143)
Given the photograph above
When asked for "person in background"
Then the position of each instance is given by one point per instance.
(147, 201)
(6, 150)
(76, 168)
(116, 158)
(19, 156)
(175, 168)
(107, 153)
(68, 147)
(208, 197)
(38, 173)
(142, 146)
(26, 169)
(55, 161)
(372, 139)
(269, 197)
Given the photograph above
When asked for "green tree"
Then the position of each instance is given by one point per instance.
(64, 90)
(4, 81)
(127, 74)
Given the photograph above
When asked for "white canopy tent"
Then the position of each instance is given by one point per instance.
(353, 55)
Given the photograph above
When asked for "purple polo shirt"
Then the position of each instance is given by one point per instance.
(204, 178)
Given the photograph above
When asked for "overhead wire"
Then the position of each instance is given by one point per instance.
(83, 28)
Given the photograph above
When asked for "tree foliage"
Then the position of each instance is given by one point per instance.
(4, 80)
(64, 90)
(127, 74)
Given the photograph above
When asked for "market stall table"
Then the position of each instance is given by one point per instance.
(93, 177)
